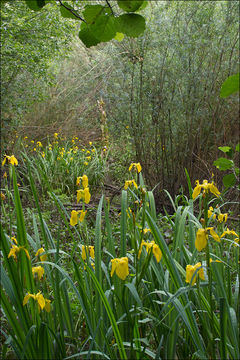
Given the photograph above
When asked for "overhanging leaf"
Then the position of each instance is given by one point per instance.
(35, 5)
(227, 150)
(91, 12)
(129, 5)
(67, 13)
(104, 28)
(87, 38)
(230, 86)
(131, 24)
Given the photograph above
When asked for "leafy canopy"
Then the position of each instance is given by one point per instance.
(102, 23)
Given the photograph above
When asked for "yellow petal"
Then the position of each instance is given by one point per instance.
(74, 218)
(189, 274)
(87, 195)
(14, 249)
(122, 268)
(214, 235)
(39, 270)
(114, 265)
(85, 181)
(139, 168)
(214, 189)
(40, 299)
(82, 215)
(196, 190)
(157, 252)
(26, 298)
(39, 252)
(201, 239)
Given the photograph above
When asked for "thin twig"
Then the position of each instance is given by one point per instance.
(110, 7)
(71, 11)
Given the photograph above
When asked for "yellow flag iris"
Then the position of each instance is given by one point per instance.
(151, 245)
(206, 187)
(201, 239)
(84, 194)
(84, 180)
(42, 303)
(87, 250)
(42, 257)
(15, 250)
(190, 270)
(39, 270)
(130, 183)
(137, 167)
(120, 266)
(11, 160)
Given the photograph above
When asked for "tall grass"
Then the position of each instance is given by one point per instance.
(152, 313)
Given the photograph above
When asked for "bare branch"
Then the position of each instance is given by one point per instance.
(110, 7)
(71, 11)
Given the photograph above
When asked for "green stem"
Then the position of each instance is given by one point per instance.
(209, 279)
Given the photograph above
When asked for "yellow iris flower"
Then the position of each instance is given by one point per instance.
(120, 266)
(137, 167)
(15, 250)
(210, 213)
(88, 250)
(39, 270)
(229, 232)
(11, 160)
(84, 179)
(201, 239)
(222, 217)
(190, 270)
(151, 245)
(206, 186)
(129, 183)
(39, 252)
(84, 195)
(42, 303)
(75, 216)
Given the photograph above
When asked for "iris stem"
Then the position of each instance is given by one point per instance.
(209, 279)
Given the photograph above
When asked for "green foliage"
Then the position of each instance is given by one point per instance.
(129, 6)
(131, 24)
(91, 310)
(224, 164)
(230, 86)
(30, 43)
(102, 23)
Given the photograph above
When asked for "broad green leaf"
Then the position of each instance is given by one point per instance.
(35, 5)
(129, 5)
(223, 164)
(230, 86)
(143, 6)
(87, 38)
(237, 147)
(119, 36)
(131, 24)
(91, 12)
(66, 13)
(229, 180)
(227, 150)
(104, 28)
